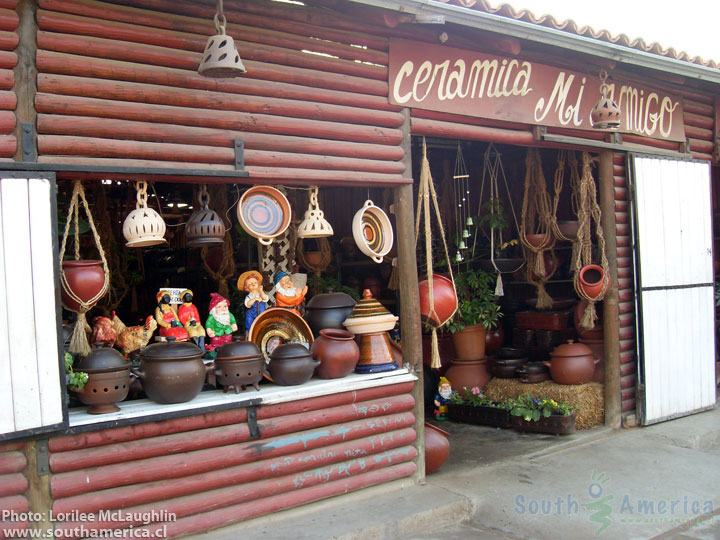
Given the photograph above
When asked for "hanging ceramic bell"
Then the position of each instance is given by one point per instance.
(314, 224)
(462, 245)
(221, 58)
(205, 227)
(458, 257)
(469, 222)
(465, 233)
(143, 227)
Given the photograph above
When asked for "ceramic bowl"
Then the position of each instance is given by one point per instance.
(279, 326)
(372, 231)
(264, 212)
(537, 240)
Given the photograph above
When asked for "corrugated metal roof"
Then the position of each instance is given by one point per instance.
(506, 10)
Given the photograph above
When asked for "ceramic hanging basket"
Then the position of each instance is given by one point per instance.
(372, 231)
(264, 212)
(592, 278)
(444, 298)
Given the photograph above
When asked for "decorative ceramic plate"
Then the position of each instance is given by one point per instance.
(372, 231)
(264, 212)
(277, 326)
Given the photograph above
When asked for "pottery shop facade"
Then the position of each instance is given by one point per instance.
(107, 92)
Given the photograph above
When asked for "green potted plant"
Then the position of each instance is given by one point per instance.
(477, 312)
(541, 415)
(470, 405)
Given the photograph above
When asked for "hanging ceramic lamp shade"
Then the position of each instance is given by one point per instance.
(143, 227)
(314, 224)
(205, 227)
(606, 113)
(221, 58)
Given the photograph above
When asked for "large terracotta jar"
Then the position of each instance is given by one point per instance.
(470, 342)
(85, 279)
(468, 374)
(337, 352)
(494, 339)
(437, 447)
(572, 363)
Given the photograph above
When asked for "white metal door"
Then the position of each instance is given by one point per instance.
(674, 270)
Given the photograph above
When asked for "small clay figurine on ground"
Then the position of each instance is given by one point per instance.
(190, 318)
(220, 323)
(256, 298)
(442, 398)
(286, 294)
(167, 318)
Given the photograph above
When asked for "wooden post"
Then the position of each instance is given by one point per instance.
(409, 298)
(25, 72)
(38, 492)
(611, 309)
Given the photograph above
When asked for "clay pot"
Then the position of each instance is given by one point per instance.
(238, 364)
(597, 346)
(101, 359)
(337, 352)
(469, 373)
(85, 278)
(569, 229)
(437, 447)
(506, 369)
(591, 279)
(596, 332)
(494, 340)
(376, 354)
(444, 299)
(572, 363)
(105, 388)
(291, 364)
(172, 371)
(511, 352)
(328, 310)
(537, 240)
(470, 343)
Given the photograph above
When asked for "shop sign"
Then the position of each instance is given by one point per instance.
(515, 90)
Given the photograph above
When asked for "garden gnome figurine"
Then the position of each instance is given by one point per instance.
(190, 318)
(167, 318)
(442, 398)
(256, 298)
(286, 294)
(220, 323)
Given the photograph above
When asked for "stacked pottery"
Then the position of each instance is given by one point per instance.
(337, 352)
(238, 364)
(108, 380)
(371, 321)
(507, 361)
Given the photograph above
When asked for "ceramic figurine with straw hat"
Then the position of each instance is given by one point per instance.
(256, 298)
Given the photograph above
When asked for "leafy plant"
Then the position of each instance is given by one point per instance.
(75, 379)
(474, 397)
(476, 301)
(532, 409)
(493, 215)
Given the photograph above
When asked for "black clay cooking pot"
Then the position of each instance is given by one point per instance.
(328, 310)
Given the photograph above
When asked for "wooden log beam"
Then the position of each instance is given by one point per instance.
(85, 26)
(436, 128)
(8, 145)
(8, 60)
(12, 484)
(12, 462)
(7, 79)
(137, 494)
(84, 126)
(97, 147)
(697, 120)
(8, 41)
(181, 97)
(83, 66)
(168, 58)
(702, 109)
(201, 25)
(8, 20)
(8, 100)
(236, 121)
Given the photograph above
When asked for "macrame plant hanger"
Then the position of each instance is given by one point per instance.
(537, 219)
(589, 211)
(426, 194)
(571, 158)
(492, 171)
(226, 268)
(78, 342)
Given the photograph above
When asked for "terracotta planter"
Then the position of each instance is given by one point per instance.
(444, 298)
(484, 415)
(85, 278)
(470, 343)
(437, 447)
(572, 363)
(494, 339)
(555, 424)
(592, 278)
(537, 240)
(337, 352)
(468, 373)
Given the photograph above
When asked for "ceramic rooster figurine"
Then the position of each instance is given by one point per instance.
(131, 338)
(103, 331)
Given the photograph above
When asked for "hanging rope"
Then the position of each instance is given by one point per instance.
(589, 211)
(426, 193)
(226, 268)
(79, 343)
(325, 255)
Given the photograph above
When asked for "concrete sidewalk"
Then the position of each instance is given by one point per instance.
(659, 482)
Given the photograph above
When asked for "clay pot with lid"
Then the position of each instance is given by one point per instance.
(108, 380)
(328, 310)
(337, 352)
(172, 371)
(239, 364)
(291, 364)
(571, 363)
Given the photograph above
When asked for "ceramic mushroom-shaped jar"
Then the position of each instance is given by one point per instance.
(372, 322)
(571, 363)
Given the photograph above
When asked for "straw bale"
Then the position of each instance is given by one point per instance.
(587, 399)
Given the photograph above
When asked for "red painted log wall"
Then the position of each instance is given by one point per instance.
(13, 485)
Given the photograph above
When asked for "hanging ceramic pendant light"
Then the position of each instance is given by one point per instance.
(205, 227)
(314, 224)
(606, 113)
(143, 226)
(221, 58)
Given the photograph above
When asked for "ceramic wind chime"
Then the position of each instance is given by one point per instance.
(463, 220)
